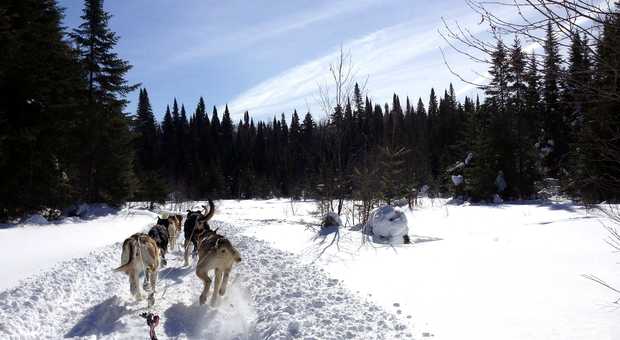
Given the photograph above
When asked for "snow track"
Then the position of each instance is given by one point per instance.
(271, 296)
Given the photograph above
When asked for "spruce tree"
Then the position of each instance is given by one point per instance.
(107, 173)
(151, 186)
(40, 107)
(554, 145)
(524, 171)
(599, 148)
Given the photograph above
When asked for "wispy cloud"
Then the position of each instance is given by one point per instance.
(270, 28)
(400, 58)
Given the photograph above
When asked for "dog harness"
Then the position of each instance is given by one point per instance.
(152, 320)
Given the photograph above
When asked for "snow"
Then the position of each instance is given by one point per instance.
(35, 219)
(271, 295)
(457, 180)
(511, 271)
(389, 223)
(39, 247)
(468, 158)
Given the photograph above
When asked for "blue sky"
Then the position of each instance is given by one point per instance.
(268, 57)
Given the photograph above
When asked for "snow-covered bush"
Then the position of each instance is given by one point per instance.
(389, 223)
(457, 180)
(35, 219)
(89, 210)
(331, 219)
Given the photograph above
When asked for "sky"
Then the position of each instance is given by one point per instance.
(269, 57)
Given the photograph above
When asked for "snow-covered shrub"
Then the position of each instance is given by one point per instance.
(90, 210)
(331, 219)
(35, 219)
(423, 190)
(457, 180)
(389, 223)
(548, 188)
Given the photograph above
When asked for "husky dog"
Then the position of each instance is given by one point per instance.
(140, 254)
(173, 228)
(215, 252)
(159, 233)
(194, 222)
(178, 222)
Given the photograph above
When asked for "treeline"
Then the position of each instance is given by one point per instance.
(547, 125)
(205, 155)
(65, 138)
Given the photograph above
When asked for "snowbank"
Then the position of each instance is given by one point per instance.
(35, 219)
(389, 223)
(39, 247)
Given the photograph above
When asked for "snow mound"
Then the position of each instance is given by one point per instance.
(36, 219)
(331, 219)
(91, 210)
(389, 222)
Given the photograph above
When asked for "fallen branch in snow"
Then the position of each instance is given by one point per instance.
(602, 283)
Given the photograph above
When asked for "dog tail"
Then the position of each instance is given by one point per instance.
(211, 210)
(128, 246)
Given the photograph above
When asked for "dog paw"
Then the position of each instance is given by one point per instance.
(203, 299)
(222, 292)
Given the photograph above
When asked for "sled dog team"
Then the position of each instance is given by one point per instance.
(145, 252)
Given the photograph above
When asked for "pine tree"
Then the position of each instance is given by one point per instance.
(523, 172)
(145, 128)
(40, 107)
(554, 140)
(599, 150)
(151, 186)
(226, 144)
(107, 174)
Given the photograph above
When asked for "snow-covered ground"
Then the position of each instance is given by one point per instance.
(472, 272)
(272, 295)
(27, 249)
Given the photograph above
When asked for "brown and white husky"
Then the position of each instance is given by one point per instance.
(140, 254)
(215, 252)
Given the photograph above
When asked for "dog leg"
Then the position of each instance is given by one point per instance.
(216, 286)
(145, 284)
(153, 278)
(172, 241)
(224, 282)
(134, 285)
(186, 256)
(206, 280)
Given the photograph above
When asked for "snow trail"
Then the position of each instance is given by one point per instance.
(271, 295)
